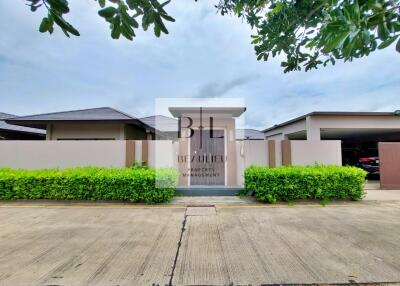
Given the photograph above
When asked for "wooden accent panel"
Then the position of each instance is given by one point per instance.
(205, 171)
(130, 153)
(389, 164)
(271, 153)
(145, 151)
(286, 152)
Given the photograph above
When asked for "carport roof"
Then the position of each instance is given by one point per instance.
(330, 113)
(100, 114)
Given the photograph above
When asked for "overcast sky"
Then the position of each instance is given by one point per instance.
(205, 55)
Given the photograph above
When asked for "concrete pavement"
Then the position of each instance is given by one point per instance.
(239, 245)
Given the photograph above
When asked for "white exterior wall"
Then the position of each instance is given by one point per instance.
(304, 152)
(163, 153)
(61, 154)
(250, 152)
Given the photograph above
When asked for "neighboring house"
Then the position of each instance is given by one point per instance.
(103, 123)
(164, 126)
(327, 125)
(358, 133)
(14, 132)
(249, 134)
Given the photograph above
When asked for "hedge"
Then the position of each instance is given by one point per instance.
(89, 183)
(311, 182)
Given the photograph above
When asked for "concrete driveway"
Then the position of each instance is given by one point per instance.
(126, 245)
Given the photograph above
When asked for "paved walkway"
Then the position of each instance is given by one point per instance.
(175, 245)
(382, 195)
(372, 195)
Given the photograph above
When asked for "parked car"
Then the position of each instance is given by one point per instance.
(364, 158)
(370, 164)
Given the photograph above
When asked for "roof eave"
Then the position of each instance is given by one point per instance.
(328, 113)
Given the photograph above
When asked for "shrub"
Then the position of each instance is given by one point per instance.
(89, 183)
(311, 182)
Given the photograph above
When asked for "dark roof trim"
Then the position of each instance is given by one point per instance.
(31, 117)
(234, 111)
(329, 113)
(43, 135)
(41, 123)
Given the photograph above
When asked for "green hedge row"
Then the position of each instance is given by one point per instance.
(89, 183)
(311, 182)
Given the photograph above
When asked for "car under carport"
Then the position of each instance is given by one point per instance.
(360, 133)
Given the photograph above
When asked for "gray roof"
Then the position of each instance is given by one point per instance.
(161, 123)
(249, 134)
(101, 113)
(331, 113)
(14, 128)
(92, 114)
(6, 115)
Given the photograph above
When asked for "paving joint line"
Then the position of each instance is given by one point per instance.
(178, 249)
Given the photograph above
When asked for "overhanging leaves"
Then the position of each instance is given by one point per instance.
(122, 15)
(311, 33)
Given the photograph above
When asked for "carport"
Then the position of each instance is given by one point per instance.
(360, 146)
(364, 139)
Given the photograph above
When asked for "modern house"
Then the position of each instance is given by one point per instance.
(102, 123)
(357, 131)
(14, 132)
(108, 137)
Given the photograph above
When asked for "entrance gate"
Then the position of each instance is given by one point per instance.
(207, 165)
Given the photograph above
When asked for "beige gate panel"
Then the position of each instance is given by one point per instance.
(389, 161)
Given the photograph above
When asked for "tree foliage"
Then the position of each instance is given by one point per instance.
(311, 33)
(308, 33)
(123, 16)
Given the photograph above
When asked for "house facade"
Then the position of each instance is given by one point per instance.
(102, 123)
(204, 144)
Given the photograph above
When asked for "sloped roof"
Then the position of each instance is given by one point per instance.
(92, 114)
(161, 123)
(6, 115)
(14, 128)
(100, 113)
(249, 134)
(330, 113)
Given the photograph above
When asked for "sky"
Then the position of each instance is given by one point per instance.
(205, 55)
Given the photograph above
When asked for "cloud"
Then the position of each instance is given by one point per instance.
(204, 55)
(218, 89)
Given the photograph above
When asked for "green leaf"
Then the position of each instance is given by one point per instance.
(158, 22)
(398, 46)
(165, 3)
(59, 5)
(383, 32)
(132, 4)
(108, 12)
(102, 3)
(336, 42)
(388, 42)
(44, 25)
(50, 21)
(64, 25)
(115, 32)
(167, 17)
(157, 30)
